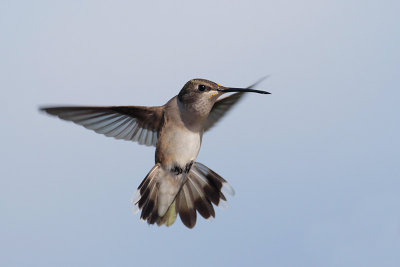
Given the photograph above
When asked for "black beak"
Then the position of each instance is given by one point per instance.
(227, 90)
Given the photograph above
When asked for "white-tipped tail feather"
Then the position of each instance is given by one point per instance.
(164, 194)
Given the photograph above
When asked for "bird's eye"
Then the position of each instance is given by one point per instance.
(202, 87)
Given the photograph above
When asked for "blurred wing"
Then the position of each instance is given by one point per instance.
(222, 106)
(132, 123)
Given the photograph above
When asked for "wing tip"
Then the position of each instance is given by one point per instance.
(259, 81)
(43, 108)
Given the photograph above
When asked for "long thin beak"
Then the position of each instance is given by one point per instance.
(227, 90)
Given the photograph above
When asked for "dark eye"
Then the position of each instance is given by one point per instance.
(202, 87)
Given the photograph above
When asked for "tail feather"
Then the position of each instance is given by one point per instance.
(201, 202)
(162, 195)
(155, 195)
(185, 207)
(220, 183)
(150, 204)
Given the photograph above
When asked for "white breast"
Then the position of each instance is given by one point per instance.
(179, 146)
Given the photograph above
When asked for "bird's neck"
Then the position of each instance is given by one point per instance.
(193, 115)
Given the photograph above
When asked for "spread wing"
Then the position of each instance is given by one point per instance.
(222, 106)
(132, 123)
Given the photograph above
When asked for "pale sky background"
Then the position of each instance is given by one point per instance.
(315, 165)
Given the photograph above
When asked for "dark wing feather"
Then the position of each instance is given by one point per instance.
(222, 106)
(132, 123)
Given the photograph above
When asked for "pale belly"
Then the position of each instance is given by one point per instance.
(178, 147)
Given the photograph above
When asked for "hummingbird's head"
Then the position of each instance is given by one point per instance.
(199, 90)
(199, 95)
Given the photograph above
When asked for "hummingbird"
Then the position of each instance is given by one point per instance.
(177, 184)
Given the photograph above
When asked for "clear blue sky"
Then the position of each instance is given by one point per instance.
(315, 165)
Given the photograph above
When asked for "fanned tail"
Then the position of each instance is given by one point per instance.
(161, 198)
(155, 195)
(203, 188)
